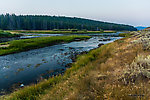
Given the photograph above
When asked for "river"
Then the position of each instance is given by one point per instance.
(32, 66)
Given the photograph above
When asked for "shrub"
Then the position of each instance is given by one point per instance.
(140, 67)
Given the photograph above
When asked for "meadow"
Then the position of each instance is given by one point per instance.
(61, 31)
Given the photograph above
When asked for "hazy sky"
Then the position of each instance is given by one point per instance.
(132, 12)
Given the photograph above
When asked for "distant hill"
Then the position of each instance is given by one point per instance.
(140, 28)
(42, 22)
(147, 29)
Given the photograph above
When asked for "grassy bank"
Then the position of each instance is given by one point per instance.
(128, 34)
(61, 32)
(5, 34)
(116, 71)
(28, 44)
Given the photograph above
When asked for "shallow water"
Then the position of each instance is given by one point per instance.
(31, 66)
(27, 36)
(33, 35)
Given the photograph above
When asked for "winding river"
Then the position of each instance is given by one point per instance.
(32, 66)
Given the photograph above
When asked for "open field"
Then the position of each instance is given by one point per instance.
(60, 32)
(28, 44)
(119, 70)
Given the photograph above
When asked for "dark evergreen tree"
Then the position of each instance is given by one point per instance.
(39, 22)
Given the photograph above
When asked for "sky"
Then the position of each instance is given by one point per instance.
(131, 12)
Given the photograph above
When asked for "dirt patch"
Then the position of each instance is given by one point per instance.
(4, 46)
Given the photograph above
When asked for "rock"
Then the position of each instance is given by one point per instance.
(61, 49)
(77, 39)
(71, 48)
(22, 85)
(100, 44)
(100, 40)
(105, 39)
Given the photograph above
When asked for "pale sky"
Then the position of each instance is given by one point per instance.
(132, 12)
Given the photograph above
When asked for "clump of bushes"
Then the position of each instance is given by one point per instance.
(139, 69)
(144, 41)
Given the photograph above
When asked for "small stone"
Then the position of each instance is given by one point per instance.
(22, 85)
(100, 44)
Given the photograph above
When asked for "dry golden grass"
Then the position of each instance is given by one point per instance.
(102, 78)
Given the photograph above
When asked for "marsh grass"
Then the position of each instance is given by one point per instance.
(35, 43)
(62, 32)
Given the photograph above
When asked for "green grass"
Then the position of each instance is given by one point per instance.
(28, 44)
(4, 34)
(125, 34)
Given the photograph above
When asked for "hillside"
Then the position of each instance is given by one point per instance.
(39, 22)
(117, 71)
(140, 28)
(147, 29)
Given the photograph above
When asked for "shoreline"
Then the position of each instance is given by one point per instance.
(57, 79)
(107, 69)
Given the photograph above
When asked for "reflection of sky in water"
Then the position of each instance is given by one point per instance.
(33, 35)
(27, 67)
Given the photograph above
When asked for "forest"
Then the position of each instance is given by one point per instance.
(45, 22)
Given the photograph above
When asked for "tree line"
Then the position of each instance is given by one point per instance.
(44, 22)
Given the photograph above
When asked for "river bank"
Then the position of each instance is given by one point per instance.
(119, 70)
(43, 61)
(115, 71)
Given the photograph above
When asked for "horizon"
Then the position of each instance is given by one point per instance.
(122, 12)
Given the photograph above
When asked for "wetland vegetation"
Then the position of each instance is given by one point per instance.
(28, 44)
(6, 34)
